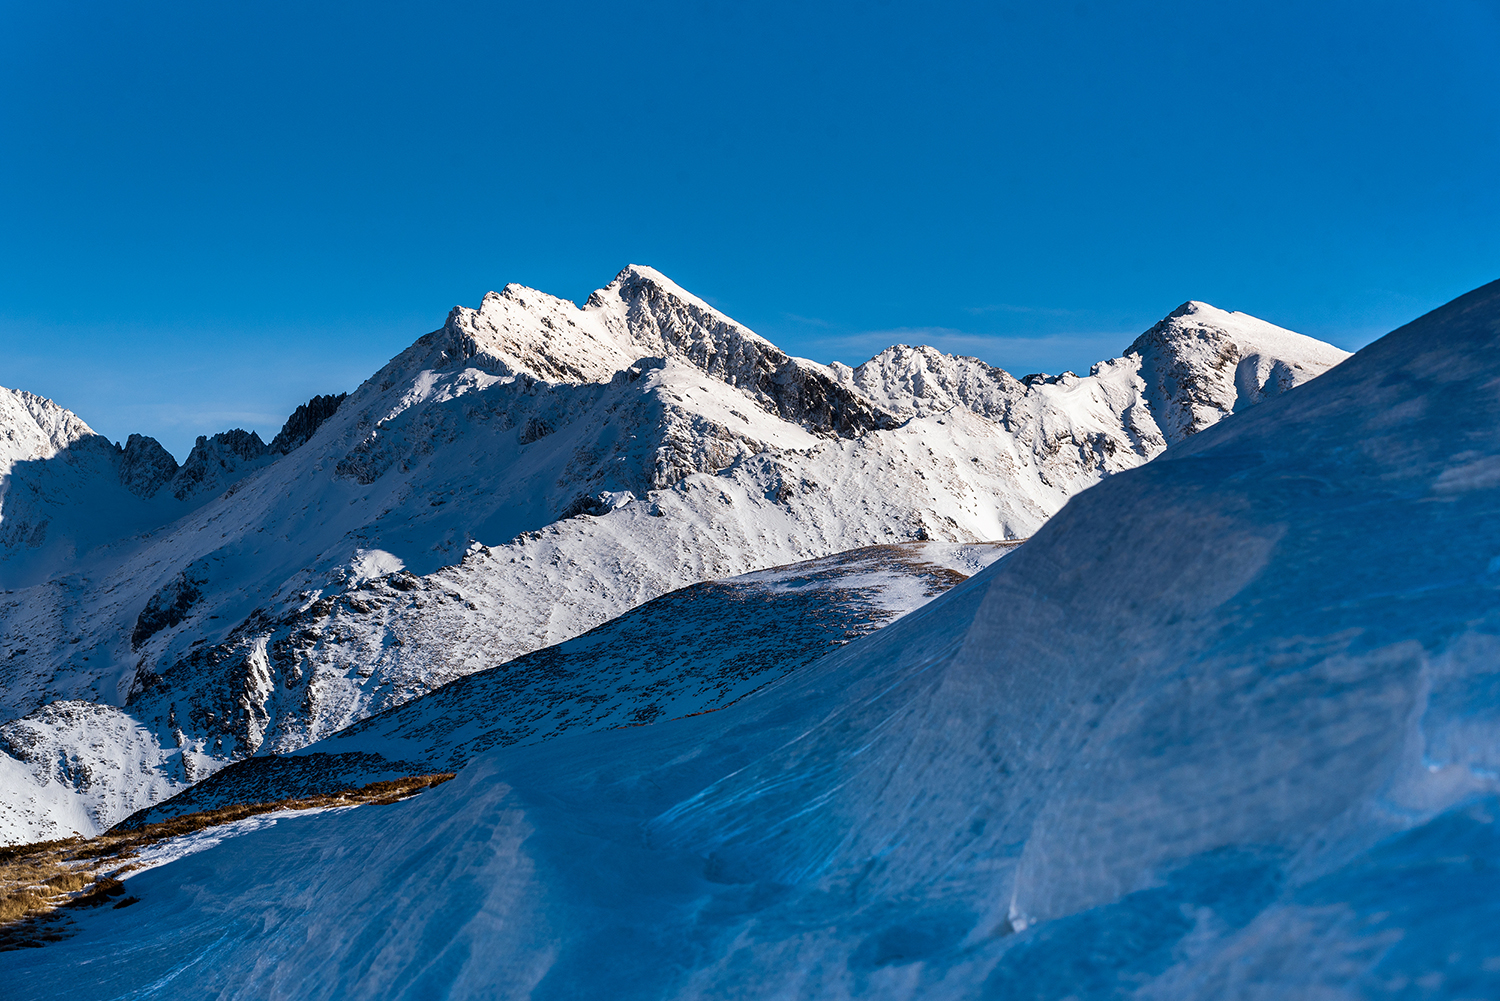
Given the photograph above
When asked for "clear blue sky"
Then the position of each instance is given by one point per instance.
(209, 212)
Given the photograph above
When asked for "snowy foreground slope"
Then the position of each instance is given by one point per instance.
(525, 473)
(1227, 727)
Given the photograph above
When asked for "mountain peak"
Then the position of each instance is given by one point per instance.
(641, 274)
(633, 278)
(1201, 362)
(1193, 306)
(1193, 318)
(34, 427)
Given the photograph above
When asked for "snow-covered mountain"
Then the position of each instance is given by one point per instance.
(523, 474)
(1226, 727)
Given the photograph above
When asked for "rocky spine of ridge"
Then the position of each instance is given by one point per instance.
(1193, 368)
(218, 461)
(33, 427)
(924, 381)
(656, 312)
(304, 422)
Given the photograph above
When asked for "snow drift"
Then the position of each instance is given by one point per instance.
(1226, 728)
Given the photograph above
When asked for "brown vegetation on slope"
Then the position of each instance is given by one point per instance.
(40, 882)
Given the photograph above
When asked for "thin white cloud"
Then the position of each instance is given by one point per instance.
(811, 321)
(1006, 307)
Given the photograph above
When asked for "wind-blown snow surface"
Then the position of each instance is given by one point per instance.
(1226, 728)
(521, 475)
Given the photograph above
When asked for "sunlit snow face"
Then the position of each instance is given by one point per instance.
(367, 564)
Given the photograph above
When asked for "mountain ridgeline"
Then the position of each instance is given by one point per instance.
(523, 474)
(144, 466)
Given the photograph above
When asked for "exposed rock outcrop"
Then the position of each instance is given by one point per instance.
(145, 466)
(216, 462)
(170, 605)
(304, 421)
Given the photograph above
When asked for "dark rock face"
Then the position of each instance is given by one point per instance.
(145, 466)
(584, 504)
(168, 607)
(304, 421)
(213, 460)
(533, 430)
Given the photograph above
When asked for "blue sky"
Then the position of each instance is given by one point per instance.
(209, 212)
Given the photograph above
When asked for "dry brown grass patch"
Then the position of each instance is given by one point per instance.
(38, 879)
(18, 905)
(67, 882)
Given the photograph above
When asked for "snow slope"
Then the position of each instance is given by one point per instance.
(1227, 727)
(689, 651)
(528, 472)
(75, 767)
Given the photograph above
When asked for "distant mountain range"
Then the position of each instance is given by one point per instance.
(522, 475)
